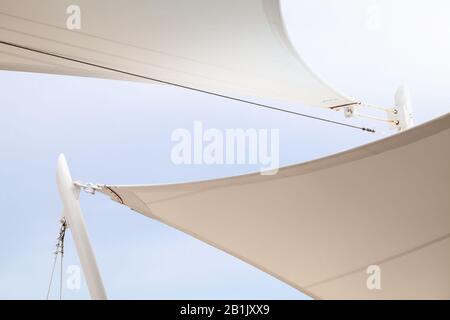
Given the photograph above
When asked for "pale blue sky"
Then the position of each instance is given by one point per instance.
(119, 133)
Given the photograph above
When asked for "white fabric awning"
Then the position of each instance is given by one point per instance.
(230, 47)
(317, 226)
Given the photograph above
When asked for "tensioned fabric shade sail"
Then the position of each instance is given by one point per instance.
(226, 46)
(317, 226)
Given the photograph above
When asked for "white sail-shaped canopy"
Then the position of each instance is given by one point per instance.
(230, 47)
(318, 226)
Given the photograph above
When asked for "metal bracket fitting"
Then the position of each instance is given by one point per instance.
(90, 188)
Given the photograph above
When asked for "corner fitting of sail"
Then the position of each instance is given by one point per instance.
(93, 188)
(398, 117)
(348, 108)
(109, 191)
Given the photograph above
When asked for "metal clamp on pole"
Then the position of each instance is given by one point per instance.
(401, 116)
(89, 187)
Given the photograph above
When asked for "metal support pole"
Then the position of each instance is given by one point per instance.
(72, 211)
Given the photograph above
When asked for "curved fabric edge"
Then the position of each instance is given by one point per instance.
(275, 15)
(396, 140)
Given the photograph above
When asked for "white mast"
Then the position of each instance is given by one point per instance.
(70, 193)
